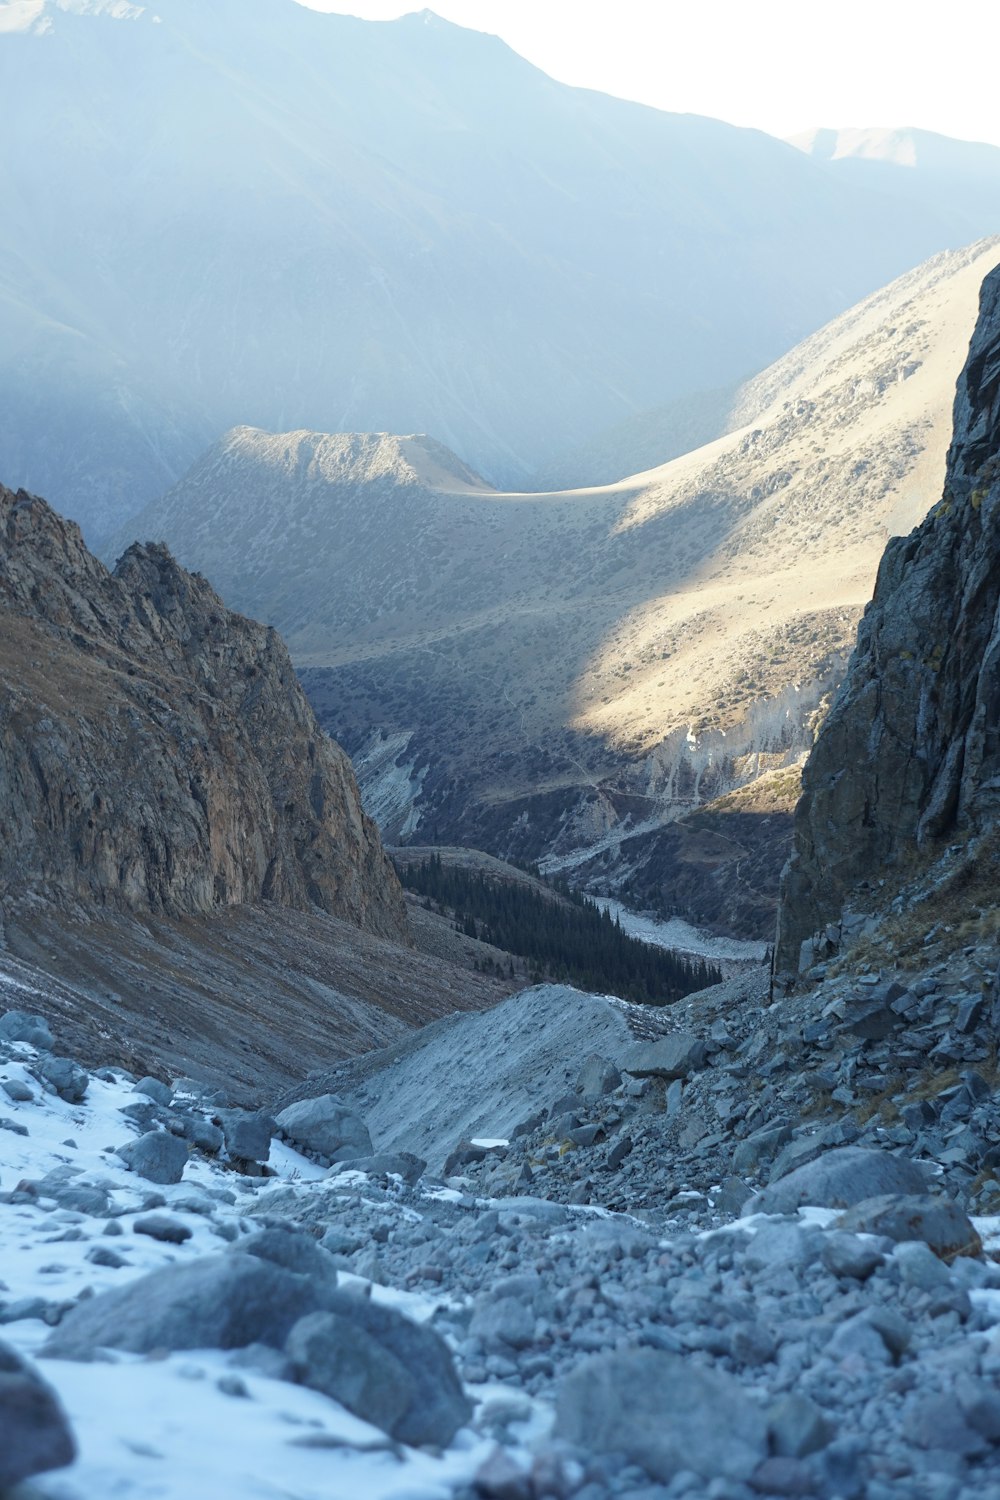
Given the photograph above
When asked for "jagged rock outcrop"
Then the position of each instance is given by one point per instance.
(910, 752)
(156, 751)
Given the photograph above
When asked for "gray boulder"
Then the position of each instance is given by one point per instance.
(597, 1077)
(153, 1089)
(384, 1164)
(383, 1368)
(67, 1078)
(291, 1250)
(247, 1133)
(673, 1056)
(663, 1413)
(839, 1179)
(938, 1222)
(21, 1026)
(327, 1127)
(217, 1302)
(36, 1432)
(158, 1156)
(201, 1133)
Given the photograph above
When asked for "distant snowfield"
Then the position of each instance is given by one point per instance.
(680, 937)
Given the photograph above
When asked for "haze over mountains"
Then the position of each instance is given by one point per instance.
(544, 674)
(294, 220)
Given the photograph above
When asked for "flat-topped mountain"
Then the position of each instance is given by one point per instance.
(325, 223)
(545, 675)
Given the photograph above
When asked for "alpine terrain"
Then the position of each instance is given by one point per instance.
(579, 677)
(566, 1248)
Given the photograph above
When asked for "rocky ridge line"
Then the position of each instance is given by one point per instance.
(156, 751)
(909, 755)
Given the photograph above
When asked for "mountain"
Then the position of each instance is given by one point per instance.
(186, 873)
(559, 676)
(924, 168)
(251, 213)
(241, 796)
(908, 760)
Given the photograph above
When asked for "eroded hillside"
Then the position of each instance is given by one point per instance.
(555, 672)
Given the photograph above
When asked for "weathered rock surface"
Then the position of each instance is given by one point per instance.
(840, 1179)
(36, 1433)
(663, 1414)
(241, 796)
(910, 751)
(216, 1302)
(327, 1127)
(383, 1367)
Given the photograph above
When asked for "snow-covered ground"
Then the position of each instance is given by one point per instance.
(680, 937)
(165, 1428)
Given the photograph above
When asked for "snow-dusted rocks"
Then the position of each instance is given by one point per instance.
(34, 1433)
(216, 1302)
(326, 1127)
(21, 1026)
(158, 1156)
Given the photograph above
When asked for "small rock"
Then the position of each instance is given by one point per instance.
(247, 1133)
(36, 1432)
(16, 1090)
(597, 1077)
(936, 1222)
(162, 1227)
(67, 1078)
(663, 1413)
(384, 1368)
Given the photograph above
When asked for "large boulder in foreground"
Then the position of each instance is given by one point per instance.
(839, 1179)
(326, 1127)
(34, 1432)
(663, 1413)
(382, 1367)
(217, 1302)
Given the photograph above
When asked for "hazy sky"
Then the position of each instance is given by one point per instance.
(781, 65)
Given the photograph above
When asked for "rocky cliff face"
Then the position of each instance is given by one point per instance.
(156, 751)
(910, 753)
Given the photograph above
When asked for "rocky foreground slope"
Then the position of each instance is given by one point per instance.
(209, 1299)
(909, 757)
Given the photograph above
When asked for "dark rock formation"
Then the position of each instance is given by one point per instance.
(156, 751)
(910, 752)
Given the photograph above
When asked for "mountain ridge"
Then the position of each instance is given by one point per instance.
(340, 224)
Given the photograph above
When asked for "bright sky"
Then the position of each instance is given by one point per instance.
(780, 65)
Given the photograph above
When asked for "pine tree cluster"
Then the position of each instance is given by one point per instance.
(569, 940)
